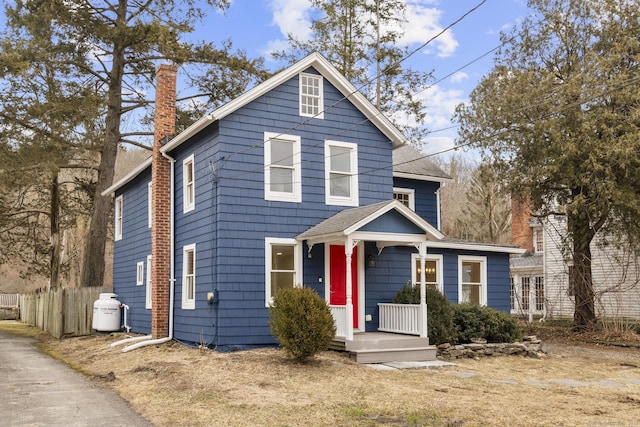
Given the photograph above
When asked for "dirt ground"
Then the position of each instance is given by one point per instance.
(577, 384)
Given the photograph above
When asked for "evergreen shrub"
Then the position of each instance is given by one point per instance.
(301, 322)
(474, 321)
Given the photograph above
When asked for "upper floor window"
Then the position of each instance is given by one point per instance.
(189, 277)
(406, 196)
(341, 173)
(282, 169)
(118, 218)
(282, 266)
(538, 239)
(472, 279)
(311, 102)
(432, 271)
(188, 185)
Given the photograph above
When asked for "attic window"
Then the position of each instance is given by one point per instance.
(311, 99)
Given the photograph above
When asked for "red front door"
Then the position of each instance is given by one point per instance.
(338, 279)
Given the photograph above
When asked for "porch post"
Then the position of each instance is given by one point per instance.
(422, 248)
(348, 249)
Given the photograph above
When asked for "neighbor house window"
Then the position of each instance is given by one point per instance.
(188, 185)
(311, 102)
(432, 271)
(149, 289)
(472, 284)
(282, 266)
(539, 293)
(526, 292)
(189, 277)
(118, 218)
(140, 274)
(538, 240)
(282, 169)
(341, 173)
(406, 196)
(149, 203)
(512, 294)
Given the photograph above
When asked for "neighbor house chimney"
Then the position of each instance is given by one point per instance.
(521, 231)
(164, 124)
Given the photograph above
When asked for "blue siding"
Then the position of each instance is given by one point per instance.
(392, 222)
(134, 247)
(426, 199)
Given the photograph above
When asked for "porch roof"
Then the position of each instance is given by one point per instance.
(350, 221)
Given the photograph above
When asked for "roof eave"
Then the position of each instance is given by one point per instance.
(127, 178)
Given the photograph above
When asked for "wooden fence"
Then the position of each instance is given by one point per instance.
(61, 312)
(9, 300)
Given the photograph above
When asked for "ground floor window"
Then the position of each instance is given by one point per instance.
(527, 293)
(189, 277)
(432, 271)
(282, 266)
(472, 279)
(539, 293)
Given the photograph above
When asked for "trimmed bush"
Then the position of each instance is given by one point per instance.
(301, 322)
(474, 321)
(440, 326)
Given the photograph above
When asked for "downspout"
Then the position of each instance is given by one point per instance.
(172, 278)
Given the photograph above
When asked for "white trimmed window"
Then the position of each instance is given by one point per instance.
(140, 274)
(341, 173)
(538, 240)
(147, 304)
(282, 266)
(472, 279)
(432, 271)
(189, 277)
(118, 218)
(406, 196)
(188, 185)
(282, 168)
(149, 203)
(311, 99)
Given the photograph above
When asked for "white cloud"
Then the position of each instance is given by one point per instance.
(459, 76)
(292, 17)
(423, 23)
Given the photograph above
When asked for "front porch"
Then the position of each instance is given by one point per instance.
(381, 347)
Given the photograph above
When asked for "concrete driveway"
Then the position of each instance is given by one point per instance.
(36, 390)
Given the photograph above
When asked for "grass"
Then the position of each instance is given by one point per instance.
(173, 385)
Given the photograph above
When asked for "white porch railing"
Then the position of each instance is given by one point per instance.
(9, 300)
(400, 318)
(339, 313)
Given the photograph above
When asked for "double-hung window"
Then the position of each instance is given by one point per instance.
(311, 99)
(282, 266)
(188, 185)
(282, 168)
(140, 274)
(432, 271)
(538, 240)
(472, 282)
(118, 218)
(341, 173)
(189, 277)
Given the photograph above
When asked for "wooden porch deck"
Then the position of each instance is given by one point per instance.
(381, 347)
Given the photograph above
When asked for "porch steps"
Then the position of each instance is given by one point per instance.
(380, 347)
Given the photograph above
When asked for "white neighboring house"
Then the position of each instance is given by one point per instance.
(540, 277)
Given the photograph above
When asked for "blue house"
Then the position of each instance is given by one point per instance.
(298, 182)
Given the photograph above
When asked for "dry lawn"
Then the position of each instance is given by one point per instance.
(173, 385)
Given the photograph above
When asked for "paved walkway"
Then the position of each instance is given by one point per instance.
(37, 390)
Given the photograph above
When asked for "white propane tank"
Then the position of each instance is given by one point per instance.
(107, 313)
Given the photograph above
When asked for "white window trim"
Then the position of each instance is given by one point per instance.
(409, 191)
(118, 218)
(320, 114)
(297, 263)
(189, 203)
(538, 232)
(296, 195)
(188, 304)
(439, 273)
(353, 200)
(150, 203)
(149, 284)
(483, 276)
(140, 273)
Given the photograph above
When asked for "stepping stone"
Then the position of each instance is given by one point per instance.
(607, 383)
(569, 383)
(419, 365)
(380, 367)
(465, 374)
(631, 380)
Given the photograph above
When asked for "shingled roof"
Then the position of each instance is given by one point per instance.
(409, 161)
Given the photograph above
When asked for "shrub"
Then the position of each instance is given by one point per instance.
(301, 322)
(440, 326)
(474, 321)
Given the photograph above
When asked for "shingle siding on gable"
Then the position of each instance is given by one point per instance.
(425, 197)
(134, 247)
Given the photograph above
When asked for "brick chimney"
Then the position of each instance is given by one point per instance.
(164, 126)
(521, 231)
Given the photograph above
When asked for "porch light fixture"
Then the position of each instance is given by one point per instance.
(371, 261)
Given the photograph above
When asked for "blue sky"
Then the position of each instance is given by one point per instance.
(260, 26)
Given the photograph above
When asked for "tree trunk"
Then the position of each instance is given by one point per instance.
(93, 263)
(54, 233)
(584, 316)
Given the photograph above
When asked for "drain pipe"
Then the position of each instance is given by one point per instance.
(172, 279)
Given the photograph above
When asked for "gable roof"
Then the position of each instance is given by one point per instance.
(410, 163)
